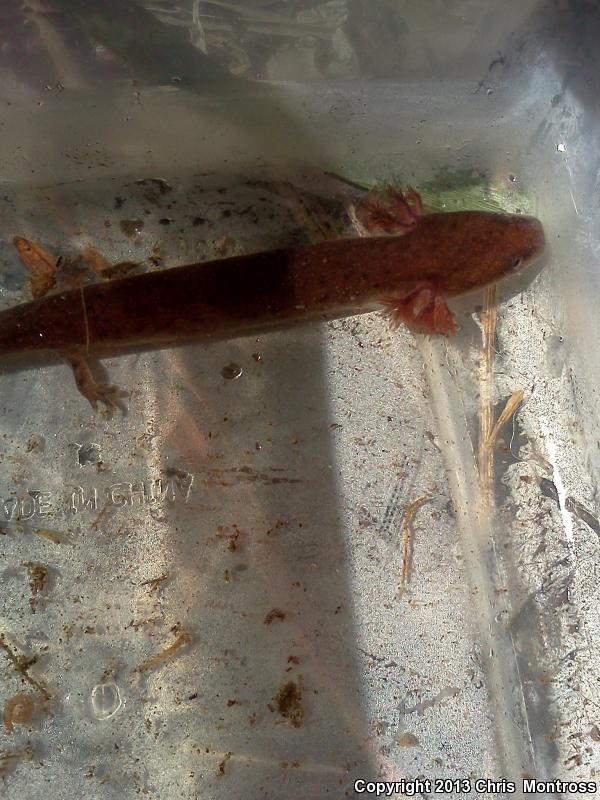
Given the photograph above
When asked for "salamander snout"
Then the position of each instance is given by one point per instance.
(527, 242)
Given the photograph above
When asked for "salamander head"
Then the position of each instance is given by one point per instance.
(489, 247)
(524, 241)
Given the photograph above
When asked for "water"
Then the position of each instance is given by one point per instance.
(185, 525)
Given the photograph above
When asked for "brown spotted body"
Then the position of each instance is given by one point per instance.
(450, 254)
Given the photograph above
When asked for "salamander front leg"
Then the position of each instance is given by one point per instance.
(422, 309)
(387, 211)
(95, 392)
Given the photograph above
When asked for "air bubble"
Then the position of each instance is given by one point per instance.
(231, 372)
(106, 700)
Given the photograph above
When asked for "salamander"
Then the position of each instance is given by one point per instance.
(439, 255)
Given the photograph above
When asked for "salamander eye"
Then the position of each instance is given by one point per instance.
(516, 263)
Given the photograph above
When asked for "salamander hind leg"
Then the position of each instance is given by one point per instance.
(94, 392)
(422, 309)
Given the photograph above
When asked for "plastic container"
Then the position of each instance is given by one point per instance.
(311, 557)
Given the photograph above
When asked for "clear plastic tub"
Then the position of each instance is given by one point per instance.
(310, 557)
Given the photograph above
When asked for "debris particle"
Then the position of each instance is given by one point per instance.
(406, 739)
(18, 710)
(38, 581)
(8, 758)
(275, 613)
(221, 768)
(182, 640)
(408, 538)
(288, 702)
(22, 664)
